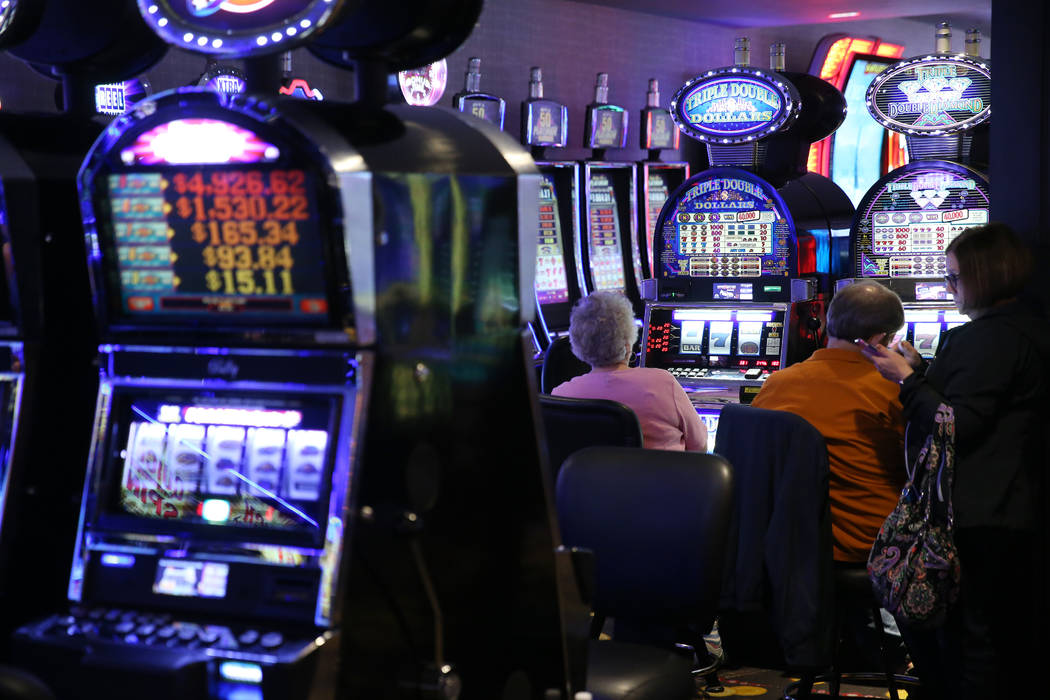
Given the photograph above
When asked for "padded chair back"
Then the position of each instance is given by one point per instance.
(572, 424)
(656, 522)
(778, 556)
(560, 365)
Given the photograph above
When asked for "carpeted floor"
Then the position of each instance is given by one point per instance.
(746, 681)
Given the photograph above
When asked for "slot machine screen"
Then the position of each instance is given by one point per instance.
(725, 223)
(907, 219)
(217, 464)
(657, 190)
(925, 327)
(552, 285)
(604, 247)
(680, 339)
(856, 150)
(227, 244)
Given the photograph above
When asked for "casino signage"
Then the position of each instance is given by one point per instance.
(735, 105)
(932, 95)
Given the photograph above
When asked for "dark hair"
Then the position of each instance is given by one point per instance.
(864, 309)
(600, 326)
(993, 263)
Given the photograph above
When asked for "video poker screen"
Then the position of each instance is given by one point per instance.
(909, 217)
(179, 460)
(725, 223)
(552, 285)
(239, 244)
(605, 250)
(714, 337)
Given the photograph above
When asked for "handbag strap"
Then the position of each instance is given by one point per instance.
(938, 461)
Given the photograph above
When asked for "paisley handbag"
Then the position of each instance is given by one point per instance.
(914, 566)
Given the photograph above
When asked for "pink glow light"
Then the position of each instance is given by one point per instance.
(198, 141)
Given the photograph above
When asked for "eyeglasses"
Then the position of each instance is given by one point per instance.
(952, 278)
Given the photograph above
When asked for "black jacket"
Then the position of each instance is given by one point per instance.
(995, 373)
(778, 545)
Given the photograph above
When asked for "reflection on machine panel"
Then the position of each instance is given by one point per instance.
(726, 227)
(708, 343)
(709, 415)
(253, 464)
(606, 256)
(924, 327)
(904, 226)
(552, 286)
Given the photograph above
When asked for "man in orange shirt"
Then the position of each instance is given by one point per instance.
(857, 411)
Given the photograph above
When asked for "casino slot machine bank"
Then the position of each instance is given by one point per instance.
(305, 313)
(728, 306)
(47, 338)
(907, 218)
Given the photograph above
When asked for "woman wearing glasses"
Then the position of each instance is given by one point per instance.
(994, 372)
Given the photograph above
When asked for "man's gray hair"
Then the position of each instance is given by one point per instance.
(600, 326)
(864, 309)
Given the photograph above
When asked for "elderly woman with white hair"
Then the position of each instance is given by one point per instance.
(602, 334)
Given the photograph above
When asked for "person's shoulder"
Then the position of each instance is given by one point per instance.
(653, 373)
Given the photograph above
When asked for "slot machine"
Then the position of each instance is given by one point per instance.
(610, 255)
(908, 217)
(47, 337)
(728, 306)
(559, 274)
(229, 408)
(657, 179)
(306, 311)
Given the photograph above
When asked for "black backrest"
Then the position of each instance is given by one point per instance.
(778, 549)
(573, 424)
(656, 521)
(560, 365)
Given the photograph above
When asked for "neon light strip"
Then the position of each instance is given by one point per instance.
(204, 415)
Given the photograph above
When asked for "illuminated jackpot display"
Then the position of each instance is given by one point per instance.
(932, 95)
(908, 218)
(726, 223)
(235, 242)
(551, 282)
(236, 27)
(734, 105)
(605, 251)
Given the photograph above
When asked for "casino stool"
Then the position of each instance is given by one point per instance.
(572, 424)
(17, 684)
(560, 365)
(853, 590)
(656, 524)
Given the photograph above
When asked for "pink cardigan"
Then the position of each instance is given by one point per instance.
(668, 419)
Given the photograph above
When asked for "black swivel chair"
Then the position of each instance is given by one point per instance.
(560, 365)
(780, 546)
(656, 522)
(572, 424)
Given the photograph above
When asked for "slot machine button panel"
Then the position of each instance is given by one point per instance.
(271, 640)
(248, 637)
